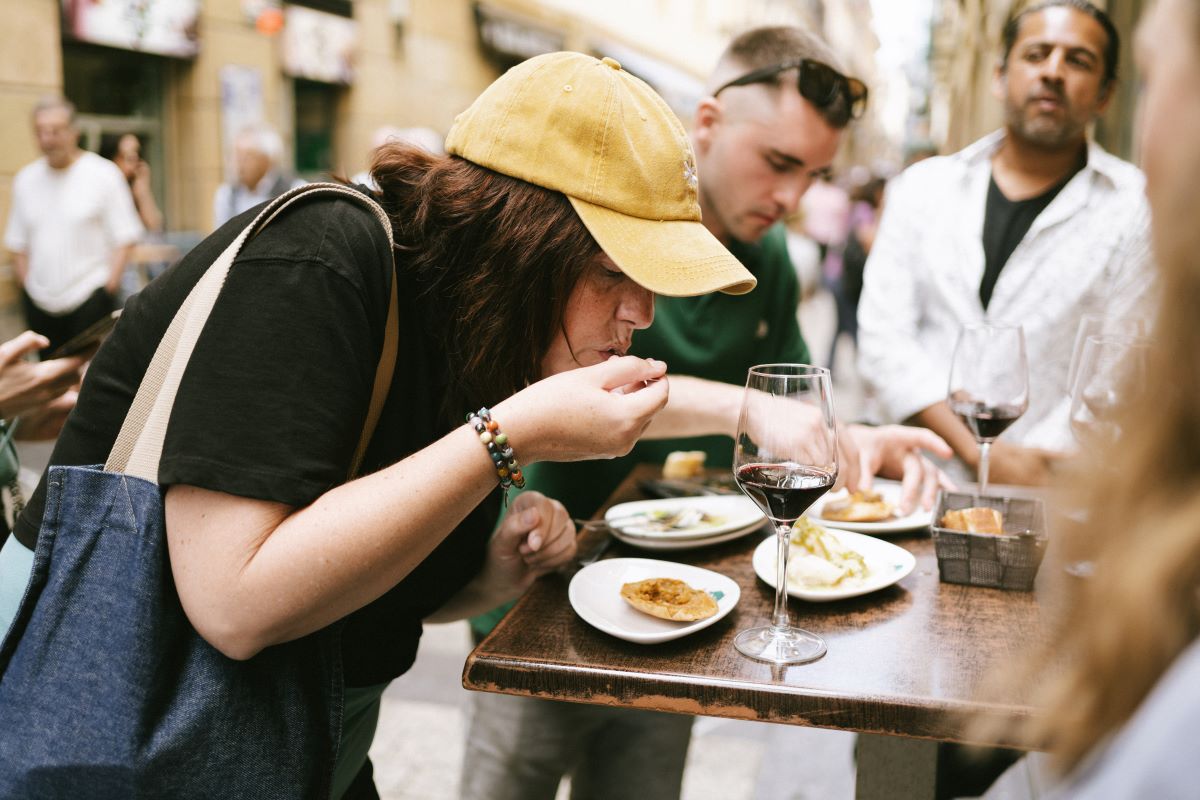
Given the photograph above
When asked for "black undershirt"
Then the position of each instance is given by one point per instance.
(1005, 223)
(275, 394)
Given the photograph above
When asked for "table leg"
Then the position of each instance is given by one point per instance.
(895, 768)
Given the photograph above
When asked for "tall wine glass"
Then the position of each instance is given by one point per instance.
(1093, 324)
(989, 384)
(785, 457)
(1111, 374)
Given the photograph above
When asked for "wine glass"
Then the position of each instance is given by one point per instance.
(989, 384)
(1111, 374)
(1092, 324)
(785, 457)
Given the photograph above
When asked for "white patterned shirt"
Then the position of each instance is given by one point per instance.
(1087, 252)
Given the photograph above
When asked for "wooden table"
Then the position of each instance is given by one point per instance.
(903, 662)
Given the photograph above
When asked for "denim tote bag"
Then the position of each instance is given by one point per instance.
(106, 689)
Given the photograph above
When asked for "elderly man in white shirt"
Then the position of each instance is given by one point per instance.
(257, 154)
(1033, 225)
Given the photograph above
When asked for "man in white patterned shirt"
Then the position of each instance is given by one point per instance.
(1033, 225)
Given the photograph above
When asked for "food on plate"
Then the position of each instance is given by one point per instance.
(668, 598)
(663, 520)
(683, 464)
(819, 559)
(974, 520)
(862, 506)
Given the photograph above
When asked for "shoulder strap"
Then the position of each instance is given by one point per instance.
(139, 444)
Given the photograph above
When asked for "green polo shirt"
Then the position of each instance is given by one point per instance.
(714, 336)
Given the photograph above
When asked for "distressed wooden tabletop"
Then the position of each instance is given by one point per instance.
(907, 660)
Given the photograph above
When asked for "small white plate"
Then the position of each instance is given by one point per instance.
(646, 543)
(731, 512)
(890, 491)
(886, 564)
(595, 594)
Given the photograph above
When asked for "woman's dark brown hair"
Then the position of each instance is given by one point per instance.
(496, 259)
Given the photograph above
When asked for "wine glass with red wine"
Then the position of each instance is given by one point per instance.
(785, 457)
(989, 384)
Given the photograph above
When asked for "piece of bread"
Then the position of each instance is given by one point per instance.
(974, 520)
(683, 464)
(865, 506)
(668, 598)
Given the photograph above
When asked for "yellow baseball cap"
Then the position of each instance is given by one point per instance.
(602, 137)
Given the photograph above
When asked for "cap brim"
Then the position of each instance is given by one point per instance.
(677, 258)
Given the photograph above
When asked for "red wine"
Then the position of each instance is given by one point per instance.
(987, 422)
(784, 491)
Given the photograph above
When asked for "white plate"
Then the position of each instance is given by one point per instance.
(886, 564)
(646, 543)
(890, 491)
(733, 511)
(595, 594)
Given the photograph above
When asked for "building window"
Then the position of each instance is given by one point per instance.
(316, 119)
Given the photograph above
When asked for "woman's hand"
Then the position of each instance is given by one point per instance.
(591, 412)
(28, 386)
(894, 451)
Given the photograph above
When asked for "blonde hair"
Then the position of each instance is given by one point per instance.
(1141, 609)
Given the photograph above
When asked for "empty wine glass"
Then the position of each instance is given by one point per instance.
(1092, 324)
(989, 384)
(1111, 374)
(785, 457)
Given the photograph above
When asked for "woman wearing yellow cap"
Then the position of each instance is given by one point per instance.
(219, 606)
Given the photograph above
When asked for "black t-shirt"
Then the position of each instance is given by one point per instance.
(275, 395)
(1005, 224)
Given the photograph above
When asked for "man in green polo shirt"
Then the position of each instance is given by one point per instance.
(772, 124)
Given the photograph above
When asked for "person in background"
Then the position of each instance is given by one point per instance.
(128, 157)
(775, 116)
(258, 174)
(866, 203)
(71, 228)
(1033, 225)
(1115, 683)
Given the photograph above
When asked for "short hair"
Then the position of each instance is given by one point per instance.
(764, 47)
(51, 102)
(263, 139)
(1112, 50)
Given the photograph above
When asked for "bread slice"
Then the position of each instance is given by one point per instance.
(865, 506)
(668, 598)
(974, 520)
(683, 464)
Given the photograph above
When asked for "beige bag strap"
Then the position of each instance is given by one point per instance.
(139, 444)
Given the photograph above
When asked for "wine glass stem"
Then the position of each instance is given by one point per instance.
(984, 448)
(779, 619)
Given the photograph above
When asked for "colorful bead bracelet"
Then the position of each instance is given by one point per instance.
(508, 470)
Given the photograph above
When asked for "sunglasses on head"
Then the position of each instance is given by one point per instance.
(838, 97)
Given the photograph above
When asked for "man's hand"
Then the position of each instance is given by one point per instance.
(893, 451)
(26, 386)
(537, 536)
(1021, 466)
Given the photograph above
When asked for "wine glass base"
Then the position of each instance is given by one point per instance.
(780, 645)
(1080, 569)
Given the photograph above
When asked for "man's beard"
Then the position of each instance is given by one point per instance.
(1042, 130)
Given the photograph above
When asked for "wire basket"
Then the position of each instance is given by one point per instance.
(1006, 561)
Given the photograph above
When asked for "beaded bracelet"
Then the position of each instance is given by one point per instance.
(507, 468)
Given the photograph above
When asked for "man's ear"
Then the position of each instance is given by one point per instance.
(704, 122)
(999, 78)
